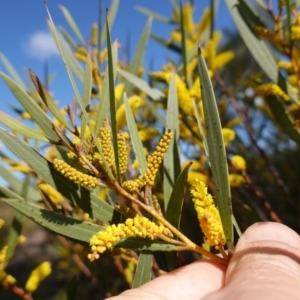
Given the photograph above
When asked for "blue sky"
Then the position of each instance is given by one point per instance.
(24, 36)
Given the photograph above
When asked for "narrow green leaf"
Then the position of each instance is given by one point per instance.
(9, 193)
(111, 84)
(16, 184)
(141, 244)
(155, 112)
(153, 14)
(138, 57)
(171, 162)
(282, 119)
(72, 44)
(214, 6)
(16, 226)
(68, 57)
(75, 89)
(258, 48)
(143, 270)
(19, 127)
(173, 211)
(11, 71)
(72, 23)
(15, 231)
(166, 43)
(66, 226)
(30, 106)
(82, 197)
(86, 96)
(201, 128)
(249, 15)
(46, 97)
(153, 93)
(236, 226)
(135, 139)
(288, 17)
(217, 153)
(103, 104)
(111, 16)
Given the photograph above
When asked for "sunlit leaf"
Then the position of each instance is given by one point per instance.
(217, 153)
(72, 23)
(143, 270)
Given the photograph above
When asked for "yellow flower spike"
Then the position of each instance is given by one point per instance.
(6, 280)
(75, 175)
(55, 196)
(119, 91)
(102, 55)
(129, 272)
(148, 134)
(2, 222)
(191, 67)
(196, 175)
(25, 115)
(22, 239)
(195, 90)
(293, 79)
(228, 135)
(37, 276)
(295, 32)
(156, 205)
(211, 49)
(156, 159)
(208, 214)
(222, 59)
(189, 26)
(137, 226)
(203, 24)
(3, 254)
(184, 99)
(81, 57)
(267, 34)
(286, 65)
(270, 88)
(20, 168)
(135, 102)
(123, 153)
(94, 34)
(95, 74)
(107, 149)
(130, 185)
(236, 180)
(238, 162)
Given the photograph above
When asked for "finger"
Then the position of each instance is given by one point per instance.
(265, 265)
(189, 282)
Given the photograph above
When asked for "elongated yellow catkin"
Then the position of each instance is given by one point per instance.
(37, 276)
(137, 226)
(94, 35)
(156, 159)
(75, 175)
(208, 214)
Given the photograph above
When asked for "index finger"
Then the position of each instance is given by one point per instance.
(193, 281)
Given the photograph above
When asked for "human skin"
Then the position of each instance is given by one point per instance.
(265, 265)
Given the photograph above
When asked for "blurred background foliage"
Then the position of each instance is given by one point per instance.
(255, 75)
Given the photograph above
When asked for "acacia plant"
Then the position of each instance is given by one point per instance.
(137, 163)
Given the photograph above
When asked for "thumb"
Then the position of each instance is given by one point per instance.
(265, 265)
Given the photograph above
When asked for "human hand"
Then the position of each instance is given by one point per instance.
(265, 265)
